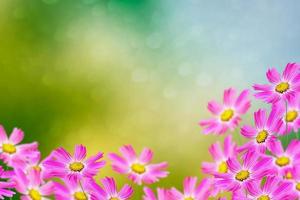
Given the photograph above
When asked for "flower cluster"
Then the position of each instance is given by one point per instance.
(260, 169)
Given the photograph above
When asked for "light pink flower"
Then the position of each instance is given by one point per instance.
(290, 115)
(266, 129)
(193, 191)
(162, 194)
(284, 160)
(282, 87)
(138, 168)
(32, 186)
(76, 167)
(220, 156)
(228, 115)
(74, 190)
(13, 153)
(110, 191)
(253, 167)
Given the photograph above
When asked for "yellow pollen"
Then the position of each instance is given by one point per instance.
(34, 194)
(227, 115)
(37, 168)
(76, 166)
(114, 198)
(282, 161)
(223, 168)
(188, 198)
(298, 186)
(288, 175)
(138, 168)
(242, 175)
(9, 148)
(282, 87)
(291, 116)
(262, 136)
(80, 196)
(263, 197)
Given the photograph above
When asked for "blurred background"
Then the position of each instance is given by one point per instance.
(110, 72)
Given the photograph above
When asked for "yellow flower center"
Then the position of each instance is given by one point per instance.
(282, 161)
(76, 166)
(298, 186)
(188, 198)
(263, 197)
(80, 196)
(291, 116)
(262, 136)
(242, 175)
(9, 148)
(282, 87)
(288, 175)
(223, 168)
(138, 168)
(37, 168)
(227, 115)
(114, 198)
(35, 195)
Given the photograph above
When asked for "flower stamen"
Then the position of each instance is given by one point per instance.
(262, 136)
(76, 166)
(80, 196)
(291, 116)
(242, 175)
(34, 194)
(282, 87)
(227, 115)
(223, 168)
(282, 161)
(9, 148)
(138, 168)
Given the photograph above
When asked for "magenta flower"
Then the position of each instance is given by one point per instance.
(220, 157)
(290, 115)
(266, 129)
(110, 191)
(162, 194)
(228, 115)
(32, 186)
(5, 187)
(254, 167)
(74, 190)
(285, 160)
(13, 153)
(293, 176)
(282, 87)
(63, 165)
(138, 168)
(273, 188)
(192, 191)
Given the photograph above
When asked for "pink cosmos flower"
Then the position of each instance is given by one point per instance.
(266, 129)
(290, 115)
(293, 176)
(63, 165)
(74, 190)
(6, 186)
(228, 115)
(192, 191)
(285, 160)
(254, 167)
(273, 188)
(13, 153)
(138, 168)
(162, 194)
(35, 163)
(31, 186)
(282, 87)
(220, 156)
(110, 191)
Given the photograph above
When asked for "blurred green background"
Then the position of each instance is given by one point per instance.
(110, 72)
